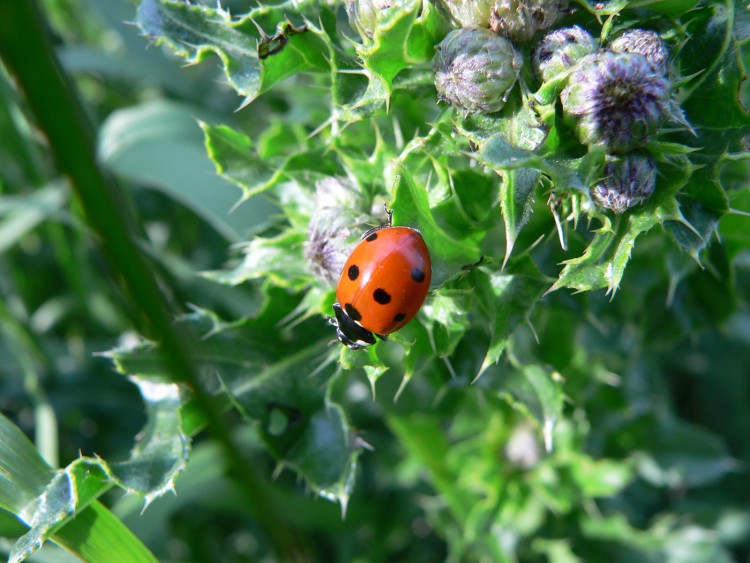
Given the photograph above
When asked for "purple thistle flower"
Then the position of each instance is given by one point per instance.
(616, 100)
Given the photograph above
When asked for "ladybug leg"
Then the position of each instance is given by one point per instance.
(388, 212)
(382, 337)
(475, 264)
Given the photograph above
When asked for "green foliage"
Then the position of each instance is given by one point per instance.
(574, 388)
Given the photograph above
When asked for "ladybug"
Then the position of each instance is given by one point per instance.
(382, 286)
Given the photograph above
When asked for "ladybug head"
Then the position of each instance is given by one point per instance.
(349, 332)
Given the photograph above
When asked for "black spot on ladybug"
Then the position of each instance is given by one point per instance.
(352, 312)
(353, 272)
(417, 275)
(381, 296)
(372, 237)
(399, 317)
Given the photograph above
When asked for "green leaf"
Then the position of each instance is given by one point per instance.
(48, 500)
(537, 392)
(517, 196)
(20, 214)
(404, 36)
(446, 309)
(158, 457)
(674, 8)
(601, 478)
(98, 536)
(675, 454)
(664, 541)
(285, 393)
(518, 125)
(507, 299)
(423, 438)
(162, 449)
(411, 207)
(24, 473)
(253, 61)
(556, 550)
(279, 259)
(733, 227)
(159, 144)
(236, 159)
(712, 97)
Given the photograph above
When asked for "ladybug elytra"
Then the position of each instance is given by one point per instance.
(382, 286)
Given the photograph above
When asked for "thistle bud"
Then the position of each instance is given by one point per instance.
(520, 20)
(645, 43)
(476, 69)
(470, 13)
(364, 15)
(629, 180)
(616, 100)
(559, 50)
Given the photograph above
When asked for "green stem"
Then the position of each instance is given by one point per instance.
(27, 52)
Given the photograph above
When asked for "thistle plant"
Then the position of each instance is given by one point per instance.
(576, 371)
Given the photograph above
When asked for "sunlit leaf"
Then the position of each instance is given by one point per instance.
(253, 60)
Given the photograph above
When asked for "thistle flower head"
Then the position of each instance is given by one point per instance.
(628, 181)
(520, 20)
(616, 100)
(560, 49)
(476, 69)
(645, 43)
(331, 229)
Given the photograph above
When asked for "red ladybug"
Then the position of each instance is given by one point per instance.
(382, 286)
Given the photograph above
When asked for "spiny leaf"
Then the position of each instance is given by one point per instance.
(279, 259)
(410, 207)
(518, 125)
(62, 504)
(712, 55)
(507, 299)
(253, 61)
(285, 393)
(237, 159)
(517, 196)
(404, 36)
(604, 260)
